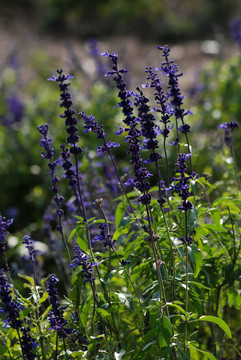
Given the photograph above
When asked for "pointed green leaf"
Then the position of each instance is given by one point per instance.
(103, 313)
(196, 258)
(82, 242)
(164, 332)
(28, 278)
(72, 234)
(222, 324)
(205, 353)
(119, 213)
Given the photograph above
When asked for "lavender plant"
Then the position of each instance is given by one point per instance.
(154, 270)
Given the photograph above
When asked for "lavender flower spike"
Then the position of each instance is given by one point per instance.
(4, 224)
(28, 344)
(55, 316)
(10, 307)
(81, 259)
(104, 236)
(68, 114)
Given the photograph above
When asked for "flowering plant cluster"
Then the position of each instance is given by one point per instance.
(139, 274)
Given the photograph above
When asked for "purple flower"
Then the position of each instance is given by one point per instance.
(28, 344)
(92, 125)
(29, 245)
(104, 236)
(133, 136)
(81, 259)
(185, 128)
(55, 316)
(148, 128)
(70, 172)
(182, 182)
(48, 153)
(9, 307)
(186, 240)
(235, 26)
(107, 146)
(15, 111)
(160, 95)
(124, 95)
(4, 224)
(68, 114)
(232, 125)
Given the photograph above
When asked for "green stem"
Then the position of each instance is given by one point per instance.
(234, 162)
(186, 290)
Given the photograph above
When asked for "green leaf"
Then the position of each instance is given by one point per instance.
(196, 258)
(177, 307)
(71, 235)
(103, 313)
(85, 311)
(192, 217)
(207, 354)
(222, 324)
(164, 332)
(121, 230)
(28, 278)
(82, 242)
(76, 354)
(119, 213)
(43, 297)
(126, 299)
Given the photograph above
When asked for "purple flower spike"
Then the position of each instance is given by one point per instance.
(81, 259)
(28, 344)
(9, 307)
(4, 224)
(104, 236)
(235, 26)
(232, 125)
(55, 316)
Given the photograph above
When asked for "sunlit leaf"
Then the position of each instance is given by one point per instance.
(222, 324)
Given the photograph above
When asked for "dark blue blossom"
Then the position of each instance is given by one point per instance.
(92, 125)
(187, 240)
(149, 129)
(161, 98)
(48, 153)
(170, 69)
(28, 344)
(9, 307)
(229, 128)
(124, 95)
(185, 128)
(68, 114)
(104, 236)
(15, 110)
(182, 182)
(29, 245)
(55, 316)
(133, 137)
(81, 259)
(70, 172)
(235, 26)
(4, 224)
(232, 125)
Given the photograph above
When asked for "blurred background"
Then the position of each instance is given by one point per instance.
(39, 36)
